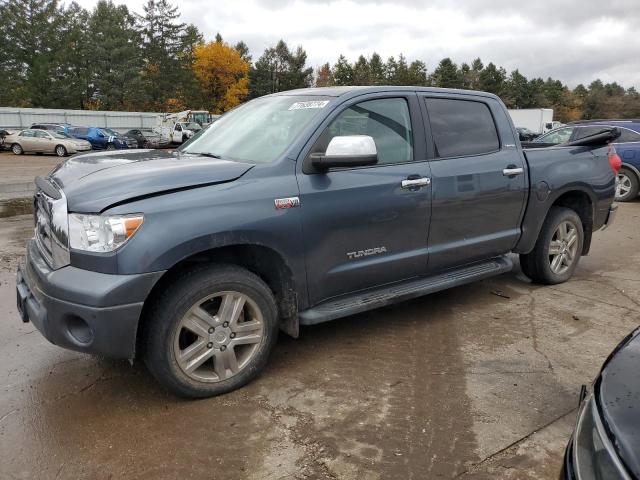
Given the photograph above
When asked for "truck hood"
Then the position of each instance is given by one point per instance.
(96, 181)
(619, 400)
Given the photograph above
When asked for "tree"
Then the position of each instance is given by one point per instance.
(114, 80)
(446, 75)
(163, 40)
(361, 72)
(222, 74)
(342, 72)
(243, 50)
(516, 91)
(417, 74)
(29, 45)
(280, 69)
(376, 70)
(323, 76)
(491, 79)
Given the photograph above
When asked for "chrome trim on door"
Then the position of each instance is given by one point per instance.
(416, 182)
(512, 172)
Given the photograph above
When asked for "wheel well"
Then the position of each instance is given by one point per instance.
(263, 261)
(580, 203)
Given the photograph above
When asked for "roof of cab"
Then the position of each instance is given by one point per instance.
(360, 90)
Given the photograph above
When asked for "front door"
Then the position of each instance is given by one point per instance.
(479, 181)
(361, 227)
(42, 141)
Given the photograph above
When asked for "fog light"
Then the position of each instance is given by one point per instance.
(79, 330)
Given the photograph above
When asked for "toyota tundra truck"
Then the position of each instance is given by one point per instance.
(298, 208)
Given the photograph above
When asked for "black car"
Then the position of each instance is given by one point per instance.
(525, 134)
(606, 441)
(147, 138)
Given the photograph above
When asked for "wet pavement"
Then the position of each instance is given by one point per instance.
(478, 382)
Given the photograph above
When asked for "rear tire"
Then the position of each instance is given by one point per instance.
(627, 186)
(17, 149)
(210, 331)
(557, 251)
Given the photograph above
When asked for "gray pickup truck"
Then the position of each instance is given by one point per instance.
(294, 209)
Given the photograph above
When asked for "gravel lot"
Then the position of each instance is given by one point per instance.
(478, 382)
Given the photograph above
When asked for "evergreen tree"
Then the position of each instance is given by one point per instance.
(491, 79)
(376, 70)
(115, 57)
(342, 72)
(163, 40)
(417, 74)
(446, 75)
(361, 72)
(279, 69)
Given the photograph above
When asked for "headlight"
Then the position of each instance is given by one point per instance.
(594, 457)
(102, 233)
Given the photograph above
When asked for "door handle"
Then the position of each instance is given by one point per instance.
(512, 171)
(416, 182)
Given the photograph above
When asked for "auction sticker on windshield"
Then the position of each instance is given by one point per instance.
(311, 104)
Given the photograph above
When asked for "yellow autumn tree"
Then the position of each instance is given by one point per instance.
(223, 75)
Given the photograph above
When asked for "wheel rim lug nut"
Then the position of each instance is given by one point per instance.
(209, 345)
(225, 324)
(223, 348)
(211, 330)
(233, 335)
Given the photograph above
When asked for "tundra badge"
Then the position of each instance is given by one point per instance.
(367, 252)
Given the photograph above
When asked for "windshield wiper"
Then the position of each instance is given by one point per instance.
(204, 154)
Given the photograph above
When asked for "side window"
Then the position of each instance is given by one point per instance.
(27, 133)
(582, 132)
(628, 136)
(557, 136)
(178, 127)
(461, 127)
(386, 120)
(41, 134)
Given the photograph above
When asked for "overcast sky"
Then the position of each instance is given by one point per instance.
(574, 41)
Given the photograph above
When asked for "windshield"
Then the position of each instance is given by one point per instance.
(111, 133)
(59, 134)
(260, 130)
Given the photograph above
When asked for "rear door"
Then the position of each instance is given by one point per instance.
(361, 227)
(27, 140)
(42, 141)
(479, 180)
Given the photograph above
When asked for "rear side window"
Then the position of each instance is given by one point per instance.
(80, 131)
(461, 127)
(582, 132)
(628, 136)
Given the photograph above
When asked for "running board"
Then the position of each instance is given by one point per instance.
(397, 292)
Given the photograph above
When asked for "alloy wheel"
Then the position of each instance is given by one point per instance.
(623, 185)
(218, 336)
(60, 151)
(563, 248)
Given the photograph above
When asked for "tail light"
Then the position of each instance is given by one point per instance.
(614, 159)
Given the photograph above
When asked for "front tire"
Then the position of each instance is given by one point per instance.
(17, 149)
(627, 185)
(557, 251)
(111, 146)
(61, 151)
(211, 331)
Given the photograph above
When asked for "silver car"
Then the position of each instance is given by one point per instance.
(43, 141)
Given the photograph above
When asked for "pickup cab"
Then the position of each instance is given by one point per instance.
(294, 209)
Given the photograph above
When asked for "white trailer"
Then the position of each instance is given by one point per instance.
(538, 120)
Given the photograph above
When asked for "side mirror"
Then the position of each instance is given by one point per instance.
(347, 151)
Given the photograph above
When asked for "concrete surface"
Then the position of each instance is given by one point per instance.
(478, 382)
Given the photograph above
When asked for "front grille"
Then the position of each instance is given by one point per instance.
(51, 228)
